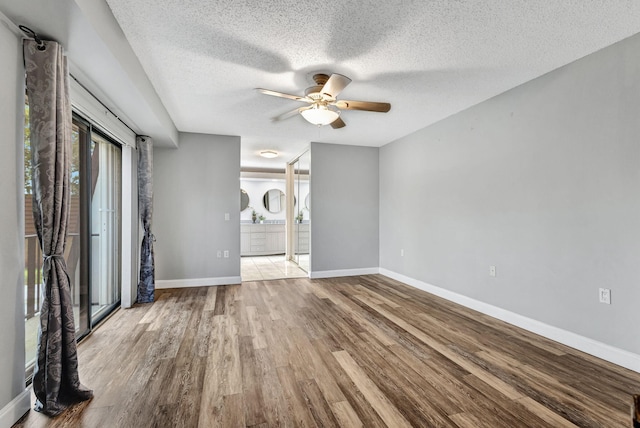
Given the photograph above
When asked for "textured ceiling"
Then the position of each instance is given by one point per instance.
(429, 59)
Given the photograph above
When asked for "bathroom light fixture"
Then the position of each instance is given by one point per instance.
(319, 114)
(270, 154)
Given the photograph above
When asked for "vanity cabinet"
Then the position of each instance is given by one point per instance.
(276, 239)
(262, 239)
(245, 239)
(303, 238)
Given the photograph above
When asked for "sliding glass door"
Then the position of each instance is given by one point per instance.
(92, 250)
(94, 238)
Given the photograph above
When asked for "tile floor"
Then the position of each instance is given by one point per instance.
(269, 267)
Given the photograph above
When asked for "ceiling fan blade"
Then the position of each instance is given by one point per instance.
(363, 105)
(288, 114)
(283, 95)
(338, 123)
(335, 85)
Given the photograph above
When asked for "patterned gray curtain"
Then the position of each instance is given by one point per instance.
(146, 286)
(56, 383)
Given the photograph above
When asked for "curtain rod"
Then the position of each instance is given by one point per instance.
(41, 46)
(102, 104)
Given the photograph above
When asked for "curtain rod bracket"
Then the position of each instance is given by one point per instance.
(29, 32)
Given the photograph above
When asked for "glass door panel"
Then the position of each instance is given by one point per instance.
(300, 230)
(296, 205)
(304, 215)
(78, 232)
(105, 225)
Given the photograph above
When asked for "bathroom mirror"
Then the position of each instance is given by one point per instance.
(274, 201)
(244, 200)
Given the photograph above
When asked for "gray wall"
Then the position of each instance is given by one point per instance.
(544, 183)
(11, 218)
(344, 209)
(194, 186)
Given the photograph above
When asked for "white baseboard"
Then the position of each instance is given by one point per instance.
(197, 282)
(609, 353)
(343, 272)
(12, 412)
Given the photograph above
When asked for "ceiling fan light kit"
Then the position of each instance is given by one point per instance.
(322, 96)
(319, 114)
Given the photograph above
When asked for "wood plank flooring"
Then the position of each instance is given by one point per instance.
(362, 351)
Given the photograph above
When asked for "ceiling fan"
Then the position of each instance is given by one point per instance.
(324, 108)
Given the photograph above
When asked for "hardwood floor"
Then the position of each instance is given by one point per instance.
(350, 352)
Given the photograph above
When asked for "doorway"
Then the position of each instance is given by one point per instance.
(263, 227)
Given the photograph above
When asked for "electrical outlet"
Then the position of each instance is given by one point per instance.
(492, 271)
(226, 217)
(226, 254)
(219, 253)
(402, 252)
(605, 295)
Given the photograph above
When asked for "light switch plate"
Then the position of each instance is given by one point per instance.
(492, 271)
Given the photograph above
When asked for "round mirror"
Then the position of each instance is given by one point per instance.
(244, 200)
(273, 200)
(307, 202)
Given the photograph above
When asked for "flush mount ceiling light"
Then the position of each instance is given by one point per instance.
(319, 114)
(270, 154)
